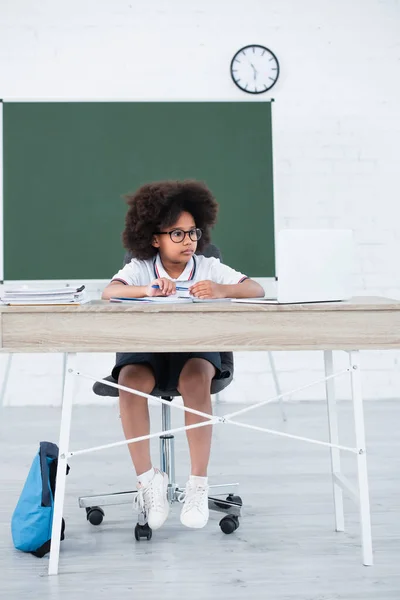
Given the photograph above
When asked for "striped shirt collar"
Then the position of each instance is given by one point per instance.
(187, 274)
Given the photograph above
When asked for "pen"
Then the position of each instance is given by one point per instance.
(178, 288)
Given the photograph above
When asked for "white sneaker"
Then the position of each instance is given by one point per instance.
(152, 500)
(195, 511)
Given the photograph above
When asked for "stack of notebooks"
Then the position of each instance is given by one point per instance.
(31, 297)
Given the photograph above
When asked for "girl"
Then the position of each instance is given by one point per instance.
(166, 224)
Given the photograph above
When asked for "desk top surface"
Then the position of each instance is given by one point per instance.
(361, 303)
(101, 326)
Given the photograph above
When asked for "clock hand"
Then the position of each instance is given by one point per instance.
(255, 70)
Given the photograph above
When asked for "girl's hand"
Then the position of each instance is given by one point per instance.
(207, 289)
(166, 287)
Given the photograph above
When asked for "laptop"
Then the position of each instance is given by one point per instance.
(313, 266)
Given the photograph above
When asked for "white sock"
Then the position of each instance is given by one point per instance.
(197, 480)
(146, 477)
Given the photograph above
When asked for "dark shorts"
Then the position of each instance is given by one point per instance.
(167, 366)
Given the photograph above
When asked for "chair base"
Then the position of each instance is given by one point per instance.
(230, 506)
(227, 506)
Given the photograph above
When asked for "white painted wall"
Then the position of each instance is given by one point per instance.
(336, 127)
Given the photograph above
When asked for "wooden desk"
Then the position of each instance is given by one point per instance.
(100, 326)
(363, 323)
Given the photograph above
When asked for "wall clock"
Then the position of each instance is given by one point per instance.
(254, 69)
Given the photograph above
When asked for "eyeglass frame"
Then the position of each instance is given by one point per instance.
(186, 233)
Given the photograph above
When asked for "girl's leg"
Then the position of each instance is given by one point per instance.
(194, 385)
(135, 412)
(152, 483)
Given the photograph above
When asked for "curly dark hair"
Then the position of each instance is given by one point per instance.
(158, 205)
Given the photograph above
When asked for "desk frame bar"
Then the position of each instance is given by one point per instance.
(65, 427)
(365, 514)
(334, 439)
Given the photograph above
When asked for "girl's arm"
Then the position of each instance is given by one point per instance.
(209, 289)
(116, 289)
(247, 289)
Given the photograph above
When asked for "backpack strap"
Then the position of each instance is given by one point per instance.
(47, 450)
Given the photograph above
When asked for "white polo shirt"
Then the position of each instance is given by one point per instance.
(199, 268)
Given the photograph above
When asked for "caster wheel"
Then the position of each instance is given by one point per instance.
(229, 524)
(143, 531)
(235, 499)
(94, 515)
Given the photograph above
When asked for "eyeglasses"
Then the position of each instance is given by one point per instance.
(178, 235)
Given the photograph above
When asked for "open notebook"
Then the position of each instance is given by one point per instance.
(167, 300)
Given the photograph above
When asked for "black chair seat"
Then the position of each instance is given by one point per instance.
(217, 385)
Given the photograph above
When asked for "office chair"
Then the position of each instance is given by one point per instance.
(230, 506)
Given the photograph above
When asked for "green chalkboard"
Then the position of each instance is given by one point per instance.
(68, 165)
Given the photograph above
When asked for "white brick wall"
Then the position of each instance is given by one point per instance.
(336, 126)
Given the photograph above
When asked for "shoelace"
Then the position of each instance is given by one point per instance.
(138, 503)
(193, 496)
(147, 498)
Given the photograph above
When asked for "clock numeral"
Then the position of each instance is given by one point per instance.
(263, 53)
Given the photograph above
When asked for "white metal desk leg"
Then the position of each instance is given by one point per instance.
(277, 386)
(5, 380)
(70, 380)
(334, 439)
(64, 372)
(365, 514)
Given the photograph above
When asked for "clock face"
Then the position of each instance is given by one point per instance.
(254, 69)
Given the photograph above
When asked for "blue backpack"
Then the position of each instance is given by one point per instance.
(32, 520)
